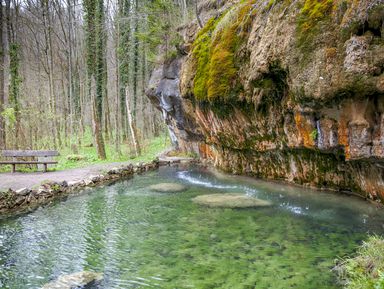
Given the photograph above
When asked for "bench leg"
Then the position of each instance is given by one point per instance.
(45, 168)
(13, 168)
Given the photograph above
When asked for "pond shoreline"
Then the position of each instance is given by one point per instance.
(15, 202)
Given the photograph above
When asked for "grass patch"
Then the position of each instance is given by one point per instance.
(149, 151)
(365, 270)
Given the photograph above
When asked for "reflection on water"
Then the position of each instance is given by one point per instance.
(141, 239)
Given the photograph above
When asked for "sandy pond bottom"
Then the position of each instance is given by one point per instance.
(142, 239)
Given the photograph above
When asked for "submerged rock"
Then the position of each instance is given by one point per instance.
(75, 280)
(168, 188)
(230, 201)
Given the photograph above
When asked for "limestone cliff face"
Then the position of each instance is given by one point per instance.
(283, 89)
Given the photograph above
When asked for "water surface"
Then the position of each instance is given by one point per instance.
(141, 239)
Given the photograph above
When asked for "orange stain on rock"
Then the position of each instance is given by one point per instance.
(206, 151)
(305, 129)
(343, 133)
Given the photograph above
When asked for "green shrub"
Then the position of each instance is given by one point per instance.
(76, 158)
(365, 270)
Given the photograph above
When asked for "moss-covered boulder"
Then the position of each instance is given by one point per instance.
(230, 201)
(168, 188)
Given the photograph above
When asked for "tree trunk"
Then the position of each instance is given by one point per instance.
(135, 62)
(97, 130)
(2, 92)
(96, 65)
(117, 99)
(49, 60)
(132, 125)
(14, 70)
(107, 121)
(71, 87)
(198, 15)
(124, 40)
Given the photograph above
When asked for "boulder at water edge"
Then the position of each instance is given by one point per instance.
(168, 188)
(230, 201)
(75, 280)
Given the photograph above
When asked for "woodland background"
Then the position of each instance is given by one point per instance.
(73, 73)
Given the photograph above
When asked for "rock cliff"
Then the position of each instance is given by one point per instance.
(282, 89)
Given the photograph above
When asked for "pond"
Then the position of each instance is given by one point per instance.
(142, 239)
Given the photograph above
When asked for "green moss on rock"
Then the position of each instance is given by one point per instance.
(311, 15)
(313, 12)
(215, 52)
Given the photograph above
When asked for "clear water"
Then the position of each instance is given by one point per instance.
(140, 239)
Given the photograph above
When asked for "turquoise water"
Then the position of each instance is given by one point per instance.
(141, 239)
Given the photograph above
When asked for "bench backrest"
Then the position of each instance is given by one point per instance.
(25, 153)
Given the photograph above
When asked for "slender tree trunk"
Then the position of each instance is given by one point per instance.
(198, 15)
(71, 101)
(96, 68)
(97, 130)
(49, 61)
(135, 62)
(76, 73)
(117, 99)
(14, 69)
(2, 92)
(107, 120)
(132, 125)
(51, 82)
(124, 22)
(41, 122)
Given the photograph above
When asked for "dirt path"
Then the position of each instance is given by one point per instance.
(17, 181)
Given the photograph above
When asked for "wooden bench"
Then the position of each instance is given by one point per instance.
(15, 155)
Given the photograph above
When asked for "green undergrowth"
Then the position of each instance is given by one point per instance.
(150, 149)
(87, 155)
(215, 54)
(365, 270)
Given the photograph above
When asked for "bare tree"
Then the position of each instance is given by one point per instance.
(2, 66)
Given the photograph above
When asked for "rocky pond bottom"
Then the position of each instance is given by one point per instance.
(139, 238)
